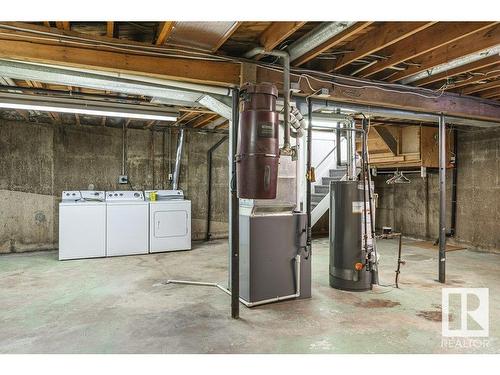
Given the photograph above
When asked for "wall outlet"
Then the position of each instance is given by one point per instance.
(123, 179)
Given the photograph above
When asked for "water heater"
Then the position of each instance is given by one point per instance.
(351, 253)
(257, 156)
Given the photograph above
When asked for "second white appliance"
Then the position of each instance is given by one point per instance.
(170, 221)
(127, 227)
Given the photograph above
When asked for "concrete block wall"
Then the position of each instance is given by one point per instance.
(39, 161)
(413, 209)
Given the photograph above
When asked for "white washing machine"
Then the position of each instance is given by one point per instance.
(127, 223)
(169, 221)
(82, 225)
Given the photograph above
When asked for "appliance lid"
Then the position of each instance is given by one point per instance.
(165, 195)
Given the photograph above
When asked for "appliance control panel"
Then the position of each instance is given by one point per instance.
(82, 196)
(124, 195)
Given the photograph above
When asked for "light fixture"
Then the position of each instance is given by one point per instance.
(85, 111)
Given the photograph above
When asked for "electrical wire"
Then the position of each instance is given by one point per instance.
(307, 76)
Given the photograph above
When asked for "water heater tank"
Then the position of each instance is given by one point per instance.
(257, 156)
(346, 237)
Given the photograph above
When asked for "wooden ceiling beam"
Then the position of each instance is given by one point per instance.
(215, 72)
(331, 43)
(110, 29)
(438, 35)
(466, 68)
(476, 42)
(371, 93)
(226, 36)
(381, 37)
(277, 33)
(166, 29)
(46, 23)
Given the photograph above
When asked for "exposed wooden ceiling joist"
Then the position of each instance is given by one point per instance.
(436, 36)
(479, 75)
(491, 93)
(381, 37)
(481, 87)
(166, 28)
(63, 25)
(204, 120)
(331, 43)
(476, 42)
(226, 36)
(277, 32)
(110, 28)
(182, 118)
(35, 84)
(475, 65)
(28, 28)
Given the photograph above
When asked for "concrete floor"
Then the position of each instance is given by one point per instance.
(117, 305)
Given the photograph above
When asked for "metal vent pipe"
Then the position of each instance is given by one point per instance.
(178, 156)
